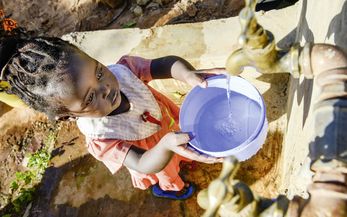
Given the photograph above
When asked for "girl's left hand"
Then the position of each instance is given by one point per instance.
(177, 142)
(198, 77)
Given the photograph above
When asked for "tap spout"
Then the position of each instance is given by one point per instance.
(237, 61)
(259, 49)
(266, 60)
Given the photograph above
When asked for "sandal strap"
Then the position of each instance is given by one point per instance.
(185, 193)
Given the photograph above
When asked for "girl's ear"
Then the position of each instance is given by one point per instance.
(65, 118)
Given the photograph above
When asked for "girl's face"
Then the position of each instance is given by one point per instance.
(96, 90)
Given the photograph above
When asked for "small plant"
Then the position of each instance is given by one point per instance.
(129, 24)
(22, 186)
(26, 196)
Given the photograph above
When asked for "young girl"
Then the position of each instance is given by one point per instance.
(125, 121)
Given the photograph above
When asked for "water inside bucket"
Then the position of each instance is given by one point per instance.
(233, 124)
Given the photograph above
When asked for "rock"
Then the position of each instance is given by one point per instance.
(138, 11)
(142, 2)
(162, 2)
(153, 6)
(112, 3)
(158, 1)
(192, 10)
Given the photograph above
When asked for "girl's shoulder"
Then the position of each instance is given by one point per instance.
(123, 73)
(139, 66)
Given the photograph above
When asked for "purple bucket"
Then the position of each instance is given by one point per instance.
(221, 129)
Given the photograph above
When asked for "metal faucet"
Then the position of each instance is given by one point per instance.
(327, 64)
(259, 48)
(227, 197)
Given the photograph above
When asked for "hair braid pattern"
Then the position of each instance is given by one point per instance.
(36, 71)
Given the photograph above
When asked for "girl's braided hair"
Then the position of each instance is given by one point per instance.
(36, 68)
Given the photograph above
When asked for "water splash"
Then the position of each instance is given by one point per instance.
(226, 127)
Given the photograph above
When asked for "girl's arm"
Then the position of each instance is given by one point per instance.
(155, 159)
(180, 69)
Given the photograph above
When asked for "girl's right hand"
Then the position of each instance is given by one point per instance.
(177, 142)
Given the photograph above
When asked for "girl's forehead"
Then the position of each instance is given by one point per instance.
(80, 67)
(82, 57)
(78, 60)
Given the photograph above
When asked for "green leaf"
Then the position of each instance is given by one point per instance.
(14, 185)
(19, 175)
(129, 24)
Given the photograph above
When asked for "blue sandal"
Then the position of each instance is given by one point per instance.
(185, 193)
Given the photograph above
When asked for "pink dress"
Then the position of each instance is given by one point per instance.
(112, 152)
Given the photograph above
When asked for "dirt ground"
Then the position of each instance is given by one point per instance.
(56, 18)
(24, 131)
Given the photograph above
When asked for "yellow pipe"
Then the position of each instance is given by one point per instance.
(10, 99)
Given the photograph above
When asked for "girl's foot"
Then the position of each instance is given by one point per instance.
(185, 193)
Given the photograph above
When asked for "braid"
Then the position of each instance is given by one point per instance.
(36, 70)
(34, 67)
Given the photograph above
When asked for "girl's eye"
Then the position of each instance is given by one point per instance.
(90, 99)
(99, 75)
